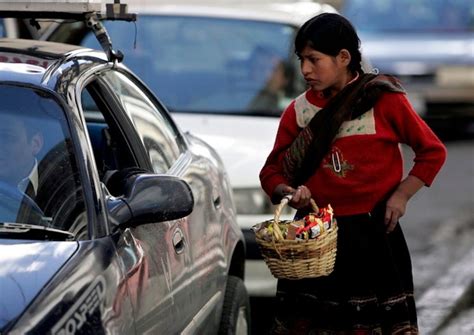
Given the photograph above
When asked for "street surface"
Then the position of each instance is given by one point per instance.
(438, 226)
(439, 223)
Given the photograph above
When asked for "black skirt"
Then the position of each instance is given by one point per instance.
(370, 290)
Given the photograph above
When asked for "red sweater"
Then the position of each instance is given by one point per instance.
(365, 163)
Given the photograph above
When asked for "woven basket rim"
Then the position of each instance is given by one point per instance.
(327, 235)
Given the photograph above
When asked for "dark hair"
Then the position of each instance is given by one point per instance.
(329, 33)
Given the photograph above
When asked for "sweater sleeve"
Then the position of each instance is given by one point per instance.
(430, 152)
(271, 174)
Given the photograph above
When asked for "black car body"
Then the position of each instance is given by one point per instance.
(136, 232)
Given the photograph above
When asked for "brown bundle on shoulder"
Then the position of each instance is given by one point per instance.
(354, 100)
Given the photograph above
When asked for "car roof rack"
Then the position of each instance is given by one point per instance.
(89, 11)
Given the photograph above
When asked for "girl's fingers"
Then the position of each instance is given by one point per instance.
(288, 190)
(391, 226)
(304, 191)
(391, 219)
(388, 217)
(304, 195)
(300, 197)
(296, 197)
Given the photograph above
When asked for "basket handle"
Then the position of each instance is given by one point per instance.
(278, 235)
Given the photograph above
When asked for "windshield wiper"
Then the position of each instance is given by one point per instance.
(24, 230)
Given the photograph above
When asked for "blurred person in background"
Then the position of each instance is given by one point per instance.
(338, 143)
(268, 69)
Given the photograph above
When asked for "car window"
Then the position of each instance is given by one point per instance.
(110, 147)
(214, 65)
(160, 139)
(39, 179)
(413, 15)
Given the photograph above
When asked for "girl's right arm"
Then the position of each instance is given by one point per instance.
(271, 174)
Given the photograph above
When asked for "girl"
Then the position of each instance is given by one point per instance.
(338, 143)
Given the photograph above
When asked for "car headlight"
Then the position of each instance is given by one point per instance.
(253, 201)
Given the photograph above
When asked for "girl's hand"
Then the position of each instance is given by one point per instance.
(396, 207)
(280, 191)
(301, 195)
(397, 203)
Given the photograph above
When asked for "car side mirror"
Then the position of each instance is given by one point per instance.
(151, 198)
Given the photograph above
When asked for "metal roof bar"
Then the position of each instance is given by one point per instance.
(88, 11)
(77, 10)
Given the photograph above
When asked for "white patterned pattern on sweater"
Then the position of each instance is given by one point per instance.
(362, 125)
(304, 110)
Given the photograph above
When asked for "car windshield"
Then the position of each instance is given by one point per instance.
(411, 15)
(212, 65)
(39, 183)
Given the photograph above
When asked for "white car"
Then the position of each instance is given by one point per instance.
(226, 72)
(429, 45)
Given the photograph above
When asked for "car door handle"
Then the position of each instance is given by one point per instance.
(217, 202)
(216, 198)
(178, 241)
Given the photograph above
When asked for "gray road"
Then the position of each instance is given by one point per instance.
(438, 226)
(439, 223)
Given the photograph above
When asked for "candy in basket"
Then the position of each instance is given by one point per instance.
(299, 249)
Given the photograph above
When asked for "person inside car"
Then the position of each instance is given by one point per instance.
(269, 70)
(20, 142)
(36, 160)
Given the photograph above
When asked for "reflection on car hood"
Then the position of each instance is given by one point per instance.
(417, 54)
(243, 142)
(25, 268)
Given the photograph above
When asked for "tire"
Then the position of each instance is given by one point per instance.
(235, 318)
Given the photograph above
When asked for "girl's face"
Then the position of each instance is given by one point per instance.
(325, 72)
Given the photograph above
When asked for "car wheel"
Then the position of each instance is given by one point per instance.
(236, 311)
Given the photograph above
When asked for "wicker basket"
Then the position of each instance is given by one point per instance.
(293, 259)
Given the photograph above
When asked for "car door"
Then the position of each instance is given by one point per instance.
(202, 276)
(153, 255)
